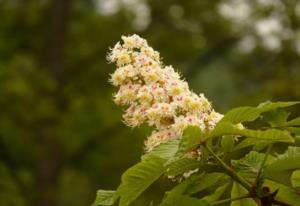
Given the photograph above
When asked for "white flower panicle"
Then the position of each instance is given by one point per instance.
(155, 94)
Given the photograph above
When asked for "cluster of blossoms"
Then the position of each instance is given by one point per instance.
(155, 94)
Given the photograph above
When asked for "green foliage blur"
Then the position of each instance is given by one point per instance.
(61, 135)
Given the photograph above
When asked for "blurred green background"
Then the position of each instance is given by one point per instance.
(62, 137)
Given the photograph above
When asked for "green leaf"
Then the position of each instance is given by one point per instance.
(239, 191)
(267, 106)
(282, 177)
(293, 122)
(182, 200)
(191, 138)
(206, 181)
(272, 135)
(199, 182)
(247, 142)
(223, 128)
(227, 143)
(260, 145)
(166, 150)
(139, 177)
(286, 161)
(276, 117)
(295, 179)
(293, 130)
(105, 197)
(243, 114)
(183, 187)
(250, 163)
(285, 194)
(217, 194)
(181, 166)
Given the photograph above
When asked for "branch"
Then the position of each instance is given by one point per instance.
(230, 171)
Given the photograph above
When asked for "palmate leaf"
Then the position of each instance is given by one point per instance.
(139, 177)
(272, 135)
(183, 187)
(173, 149)
(179, 195)
(293, 122)
(182, 200)
(258, 145)
(191, 138)
(247, 142)
(268, 106)
(243, 114)
(277, 117)
(105, 197)
(295, 179)
(199, 182)
(207, 181)
(286, 161)
(293, 130)
(182, 165)
(251, 162)
(238, 191)
(285, 194)
(217, 194)
(166, 150)
(227, 143)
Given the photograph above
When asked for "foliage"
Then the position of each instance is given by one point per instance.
(60, 134)
(249, 176)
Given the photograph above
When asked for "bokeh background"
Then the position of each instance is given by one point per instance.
(61, 136)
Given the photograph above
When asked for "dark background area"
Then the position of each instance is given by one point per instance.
(61, 135)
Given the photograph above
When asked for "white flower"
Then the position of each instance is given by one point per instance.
(123, 75)
(168, 74)
(151, 74)
(127, 94)
(114, 53)
(158, 137)
(213, 118)
(148, 51)
(135, 115)
(155, 94)
(159, 113)
(159, 93)
(134, 41)
(175, 88)
(144, 95)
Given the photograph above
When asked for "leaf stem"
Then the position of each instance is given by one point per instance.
(230, 200)
(263, 164)
(230, 171)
